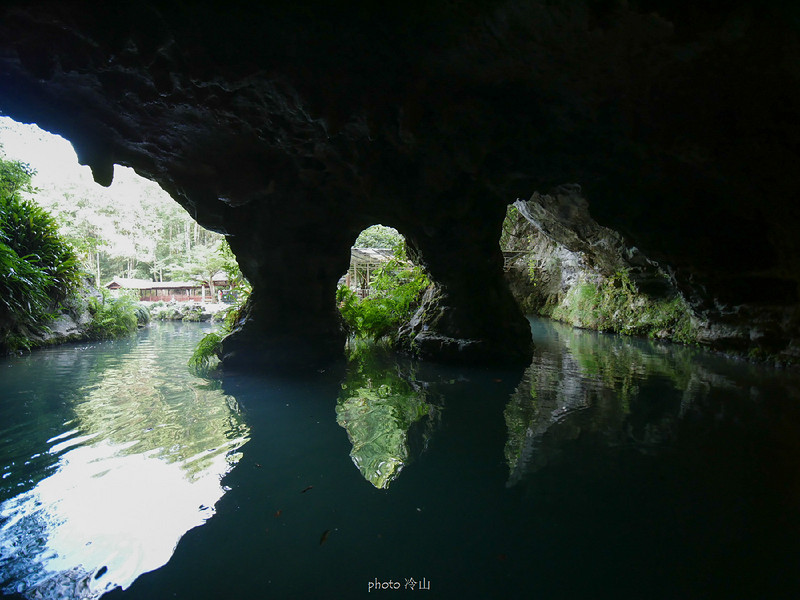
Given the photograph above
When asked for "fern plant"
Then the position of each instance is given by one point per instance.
(112, 317)
(205, 352)
(207, 349)
(38, 269)
(395, 294)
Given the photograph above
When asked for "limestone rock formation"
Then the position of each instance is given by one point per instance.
(290, 127)
(72, 319)
(555, 248)
(560, 244)
(69, 326)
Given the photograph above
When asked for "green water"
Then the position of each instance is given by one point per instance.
(609, 468)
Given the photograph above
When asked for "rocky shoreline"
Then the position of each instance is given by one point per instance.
(189, 311)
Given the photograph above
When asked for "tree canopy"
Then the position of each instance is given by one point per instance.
(379, 236)
(134, 229)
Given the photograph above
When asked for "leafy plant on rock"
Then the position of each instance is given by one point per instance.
(394, 296)
(207, 349)
(112, 317)
(615, 304)
(38, 269)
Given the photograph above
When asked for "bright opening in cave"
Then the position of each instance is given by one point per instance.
(561, 264)
(383, 287)
(373, 247)
(131, 232)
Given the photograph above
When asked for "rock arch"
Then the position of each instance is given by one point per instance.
(434, 115)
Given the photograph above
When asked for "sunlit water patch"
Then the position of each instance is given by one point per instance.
(109, 455)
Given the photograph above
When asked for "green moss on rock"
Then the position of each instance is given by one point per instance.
(615, 304)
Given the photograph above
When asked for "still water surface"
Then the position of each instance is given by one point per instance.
(609, 468)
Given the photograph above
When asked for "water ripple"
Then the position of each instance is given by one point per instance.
(114, 459)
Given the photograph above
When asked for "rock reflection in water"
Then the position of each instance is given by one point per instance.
(138, 463)
(587, 384)
(388, 415)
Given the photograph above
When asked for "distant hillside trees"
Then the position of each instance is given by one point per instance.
(135, 231)
(379, 236)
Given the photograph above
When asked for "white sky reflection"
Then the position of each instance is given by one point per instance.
(144, 448)
(142, 460)
(104, 508)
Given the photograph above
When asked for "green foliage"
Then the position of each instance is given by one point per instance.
(231, 268)
(379, 236)
(15, 177)
(208, 347)
(394, 296)
(23, 288)
(233, 314)
(38, 269)
(507, 237)
(205, 351)
(615, 304)
(203, 263)
(112, 317)
(142, 314)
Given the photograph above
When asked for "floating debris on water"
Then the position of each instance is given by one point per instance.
(324, 536)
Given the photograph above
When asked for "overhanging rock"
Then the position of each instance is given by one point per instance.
(291, 127)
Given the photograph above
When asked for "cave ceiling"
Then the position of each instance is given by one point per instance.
(292, 126)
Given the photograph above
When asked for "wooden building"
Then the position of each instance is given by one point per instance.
(363, 264)
(167, 291)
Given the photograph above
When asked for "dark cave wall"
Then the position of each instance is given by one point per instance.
(290, 127)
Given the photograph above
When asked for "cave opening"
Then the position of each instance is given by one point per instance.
(132, 229)
(130, 239)
(615, 466)
(559, 263)
(383, 286)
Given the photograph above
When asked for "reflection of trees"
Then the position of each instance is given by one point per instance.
(385, 411)
(587, 384)
(137, 462)
(151, 405)
(34, 403)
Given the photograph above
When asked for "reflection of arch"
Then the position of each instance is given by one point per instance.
(387, 414)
